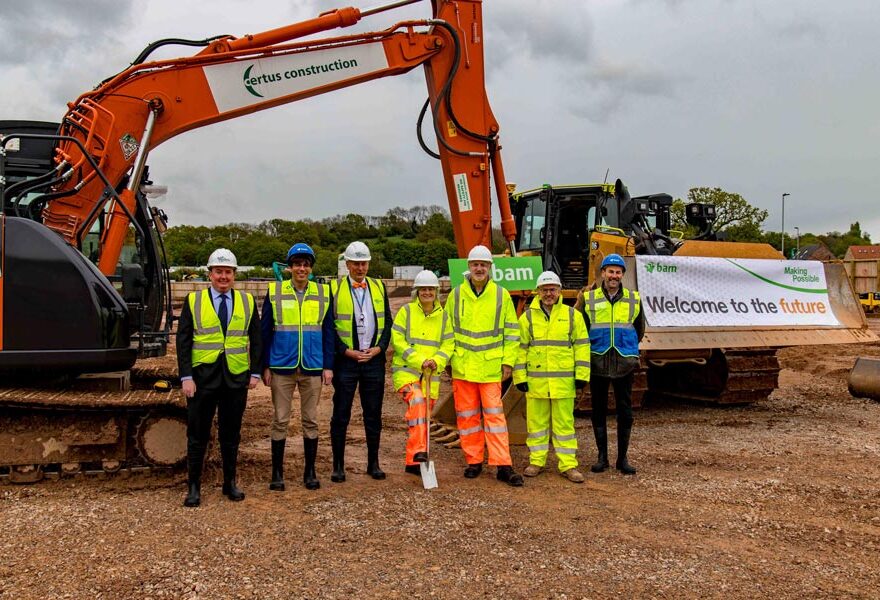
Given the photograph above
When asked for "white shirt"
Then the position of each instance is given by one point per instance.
(364, 316)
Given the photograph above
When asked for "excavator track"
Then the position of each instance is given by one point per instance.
(729, 376)
(59, 432)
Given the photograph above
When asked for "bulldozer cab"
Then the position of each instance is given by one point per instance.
(555, 223)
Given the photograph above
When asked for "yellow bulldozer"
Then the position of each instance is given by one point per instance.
(716, 311)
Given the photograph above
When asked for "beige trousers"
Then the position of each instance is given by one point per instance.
(282, 397)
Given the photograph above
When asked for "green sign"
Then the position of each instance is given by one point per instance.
(511, 272)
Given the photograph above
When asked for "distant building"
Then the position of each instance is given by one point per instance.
(818, 251)
(863, 253)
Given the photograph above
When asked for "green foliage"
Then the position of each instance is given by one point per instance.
(734, 216)
(403, 236)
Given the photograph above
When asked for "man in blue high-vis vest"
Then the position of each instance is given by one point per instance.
(616, 324)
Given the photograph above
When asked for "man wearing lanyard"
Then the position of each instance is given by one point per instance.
(362, 318)
(218, 353)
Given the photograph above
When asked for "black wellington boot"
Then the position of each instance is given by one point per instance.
(337, 444)
(623, 465)
(310, 450)
(194, 495)
(277, 483)
(601, 435)
(373, 469)
(230, 489)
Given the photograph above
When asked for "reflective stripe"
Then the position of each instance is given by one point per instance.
(539, 434)
(450, 335)
(469, 431)
(417, 400)
(511, 338)
(443, 355)
(398, 328)
(343, 317)
(538, 446)
(565, 438)
(478, 334)
(422, 342)
(405, 370)
(524, 345)
(582, 363)
(407, 353)
(236, 351)
(570, 322)
(419, 421)
(499, 305)
(207, 346)
(581, 341)
(551, 374)
(286, 328)
(235, 333)
(493, 410)
(481, 347)
(496, 429)
(511, 325)
(565, 450)
(315, 328)
(467, 413)
(520, 366)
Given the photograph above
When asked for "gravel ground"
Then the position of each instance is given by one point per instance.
(777, 499)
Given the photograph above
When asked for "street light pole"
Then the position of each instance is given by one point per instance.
(797, 232)
(783, 223)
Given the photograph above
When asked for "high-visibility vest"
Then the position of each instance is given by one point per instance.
(418, 337)
(611, 325)
(553, 351)
(343, 308)
(486, 332)
(208, 338)
(297, 341)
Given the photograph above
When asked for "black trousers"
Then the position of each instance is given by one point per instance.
(229, 404)
(622, 395)
(350, 376)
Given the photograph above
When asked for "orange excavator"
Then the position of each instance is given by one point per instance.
(83, 285)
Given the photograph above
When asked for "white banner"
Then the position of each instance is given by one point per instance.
(253, 81)
(700, 291)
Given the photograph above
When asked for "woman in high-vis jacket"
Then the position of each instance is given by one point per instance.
(423, 341)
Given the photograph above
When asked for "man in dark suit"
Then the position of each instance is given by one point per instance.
(218, 354)
(362, 317)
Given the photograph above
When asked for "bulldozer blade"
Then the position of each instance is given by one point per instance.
(864, 379)
(514, 402)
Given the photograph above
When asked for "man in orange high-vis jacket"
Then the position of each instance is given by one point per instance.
(486, 342)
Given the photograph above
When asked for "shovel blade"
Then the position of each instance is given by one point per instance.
(429, 476)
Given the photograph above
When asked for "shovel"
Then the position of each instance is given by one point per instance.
(429, 476)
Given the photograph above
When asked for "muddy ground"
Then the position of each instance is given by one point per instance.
(777, 499)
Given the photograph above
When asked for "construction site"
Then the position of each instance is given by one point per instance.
(754, 373)
(774, 499)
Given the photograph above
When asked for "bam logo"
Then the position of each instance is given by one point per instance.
(660, 268)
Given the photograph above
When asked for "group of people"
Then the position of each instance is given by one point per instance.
(310, 334)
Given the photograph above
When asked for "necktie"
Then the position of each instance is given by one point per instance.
(362, 284)
(223, 312)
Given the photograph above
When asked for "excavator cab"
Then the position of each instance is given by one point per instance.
(59, 313)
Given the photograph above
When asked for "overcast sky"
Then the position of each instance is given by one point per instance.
(756, 97)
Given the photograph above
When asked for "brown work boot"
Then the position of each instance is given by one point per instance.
(533, 470)
(573, 475)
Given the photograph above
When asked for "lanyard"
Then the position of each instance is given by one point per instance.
(361, 300)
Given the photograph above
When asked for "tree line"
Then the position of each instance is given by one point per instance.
(738, 221)
(421, 235)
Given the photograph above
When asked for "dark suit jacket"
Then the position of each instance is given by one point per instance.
(216, 374)
(380, 338)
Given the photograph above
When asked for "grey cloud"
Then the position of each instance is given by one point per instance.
(617, 84)
(802, 29)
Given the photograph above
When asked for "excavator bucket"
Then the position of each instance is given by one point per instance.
(864, 379)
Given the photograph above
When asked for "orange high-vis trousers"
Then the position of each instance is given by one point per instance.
(472, 401)
(416, 419)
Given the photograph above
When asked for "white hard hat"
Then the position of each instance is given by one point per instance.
(221, 257)
(426, 279)
(480, 253)
(357, 251)
(548, 278)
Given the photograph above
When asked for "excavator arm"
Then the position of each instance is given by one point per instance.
(115, 126)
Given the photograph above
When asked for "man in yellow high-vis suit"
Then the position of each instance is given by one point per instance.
(553, 361)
